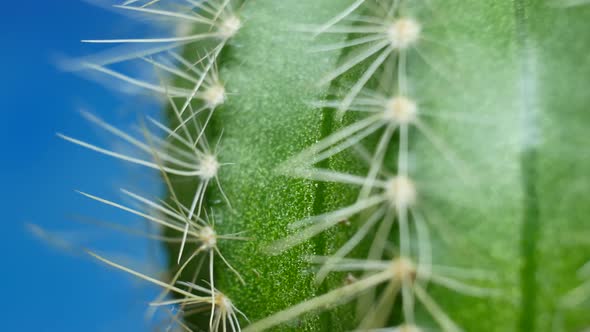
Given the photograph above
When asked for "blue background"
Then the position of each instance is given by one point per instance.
(45, 286)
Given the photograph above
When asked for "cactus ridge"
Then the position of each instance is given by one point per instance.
(385, 198)
(184, 151)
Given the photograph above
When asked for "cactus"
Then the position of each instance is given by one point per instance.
(386, 165)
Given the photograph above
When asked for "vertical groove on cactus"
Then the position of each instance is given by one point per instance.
(530, 223)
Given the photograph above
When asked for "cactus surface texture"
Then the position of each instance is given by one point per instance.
(366, 165)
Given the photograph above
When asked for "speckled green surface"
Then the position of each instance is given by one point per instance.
(267, 119)
(497, 70)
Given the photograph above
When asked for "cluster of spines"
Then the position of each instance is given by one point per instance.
(183, 151)
(388, 34)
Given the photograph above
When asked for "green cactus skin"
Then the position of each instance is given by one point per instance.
(508, 62)
(497, 153)
(273, 121)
